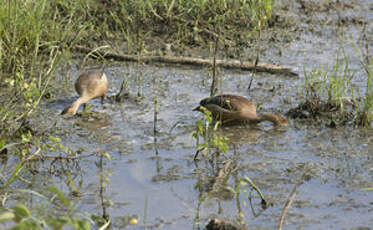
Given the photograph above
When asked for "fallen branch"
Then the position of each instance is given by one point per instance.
(229, 64)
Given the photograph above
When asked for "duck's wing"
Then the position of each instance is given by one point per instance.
(227, 102)
(81, 83)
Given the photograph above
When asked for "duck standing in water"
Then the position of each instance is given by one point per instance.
(89, 85)
(234, 109)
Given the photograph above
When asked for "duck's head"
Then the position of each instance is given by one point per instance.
(68, 111)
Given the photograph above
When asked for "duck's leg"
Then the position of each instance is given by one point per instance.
(102, 99)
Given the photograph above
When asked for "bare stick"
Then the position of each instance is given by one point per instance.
(155, 125)
(123, 92)
(214, 82)
(229, 64)
(196, 154)
(105, 213)
(288, 203)
(254, 71)
(259, 42)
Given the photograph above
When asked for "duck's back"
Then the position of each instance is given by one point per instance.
(230, 108)
(91, 83)
(230, 102)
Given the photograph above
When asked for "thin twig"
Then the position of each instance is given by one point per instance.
(214, 82)
(35, 154)
(259, 42)
(256, 188)
(174, 126)
(254, 72)
(197, 152)
(288, 203)
(155, 125)
(105, 214)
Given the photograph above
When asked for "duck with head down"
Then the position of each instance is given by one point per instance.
(89, 85)
(234, 109)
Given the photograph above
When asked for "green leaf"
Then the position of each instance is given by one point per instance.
(55, 139)
(256, 188)
(21, 211)
(107, 156)
(5, 216)
(14, 175)
(86, 108)
(57, 223)
(231, 189)
(60, 195)
(2, 143)
(201, 146)
(99, 220)
(81, 225)
(244, 203)
(28, 224)
(105, 226)
(28, 191)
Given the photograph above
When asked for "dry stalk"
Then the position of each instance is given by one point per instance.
(288, 202)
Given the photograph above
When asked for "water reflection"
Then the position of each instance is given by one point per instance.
(217, 181)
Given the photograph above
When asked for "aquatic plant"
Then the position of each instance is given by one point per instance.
(331, 93)
(212, 140)
(37, 37)
(40, 217)
(331, 84)
(53, 208)
(365, 114)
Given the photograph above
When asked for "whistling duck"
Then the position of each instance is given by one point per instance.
(236, 109)
(89, 85)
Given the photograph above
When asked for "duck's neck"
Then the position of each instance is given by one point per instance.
(276, 119)
(75, 106)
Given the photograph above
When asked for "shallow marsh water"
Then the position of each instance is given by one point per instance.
(170, 191)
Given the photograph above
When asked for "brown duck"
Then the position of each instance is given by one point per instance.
(234, 109)
(89, 85)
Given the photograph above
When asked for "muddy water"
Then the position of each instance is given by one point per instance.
(170, 191)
